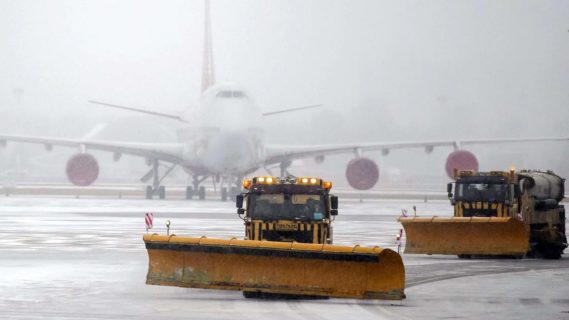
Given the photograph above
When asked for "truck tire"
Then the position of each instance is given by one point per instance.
(551, 253)
(251, 294)
(201, 193)
(149, 192)
(162, 192)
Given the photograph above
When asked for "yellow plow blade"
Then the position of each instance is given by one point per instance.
(469, 236)
(275, 267)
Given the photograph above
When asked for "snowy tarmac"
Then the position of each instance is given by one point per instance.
(85, 259)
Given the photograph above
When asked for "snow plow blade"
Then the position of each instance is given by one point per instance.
(466, 236)
(275, 267)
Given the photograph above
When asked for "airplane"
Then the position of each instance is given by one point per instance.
(222, 138)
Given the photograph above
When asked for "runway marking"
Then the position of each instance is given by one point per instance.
(560, 301)
(301, 311)
(382, 310)
(412, 283)
(530, 301)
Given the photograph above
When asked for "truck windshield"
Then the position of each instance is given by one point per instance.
(485, 192)
(286, 206)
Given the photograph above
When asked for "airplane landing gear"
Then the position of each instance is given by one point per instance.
(196, 189)
(284, 168)
(156, 189)
(151, 192)
(228, 189)
(232, 190)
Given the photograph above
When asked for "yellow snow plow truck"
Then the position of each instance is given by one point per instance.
(287, 250)
(495, 214)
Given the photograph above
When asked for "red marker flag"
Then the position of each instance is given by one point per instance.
(149, 217)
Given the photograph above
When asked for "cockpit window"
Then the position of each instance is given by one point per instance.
(230, 94)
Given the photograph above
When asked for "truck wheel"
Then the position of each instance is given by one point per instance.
(552, 254)
(280, 296)
(224, 196)
(251, 294)
(464, 256)
(189, 193)
(162, 192)
(201, 193)
(149, 192)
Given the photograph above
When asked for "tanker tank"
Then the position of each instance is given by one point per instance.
(543, 185)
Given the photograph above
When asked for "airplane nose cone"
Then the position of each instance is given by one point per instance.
(231, 153)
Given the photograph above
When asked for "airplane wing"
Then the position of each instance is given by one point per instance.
(279, 153)
(270, 113)
(149, 112)
(170, 152)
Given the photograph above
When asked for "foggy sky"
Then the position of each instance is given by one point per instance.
(385, 70)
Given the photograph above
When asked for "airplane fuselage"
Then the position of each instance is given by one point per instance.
(224, 137)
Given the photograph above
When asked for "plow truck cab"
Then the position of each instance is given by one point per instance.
(288, 209)
(497, 213)
(286, 252)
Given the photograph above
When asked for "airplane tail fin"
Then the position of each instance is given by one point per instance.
(208, 71)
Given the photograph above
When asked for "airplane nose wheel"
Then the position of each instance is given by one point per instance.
(151, 191)
(196, 190)
(230, 192)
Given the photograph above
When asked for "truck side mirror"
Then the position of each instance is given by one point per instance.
(334, 203)
(239, 201)
(334, 212)
(240, 211)
(449, 189)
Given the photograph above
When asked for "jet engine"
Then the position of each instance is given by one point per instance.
(82, 169)
(362, 173)
(460, 160)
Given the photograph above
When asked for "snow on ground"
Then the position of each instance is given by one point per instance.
(84, 259)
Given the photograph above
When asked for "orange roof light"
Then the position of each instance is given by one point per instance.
(309, 181)
(327, 185)
(247, 183)
(265, 180)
